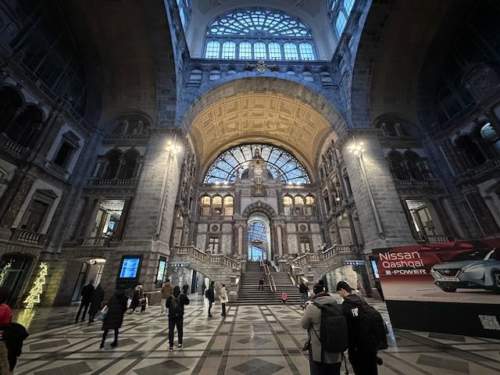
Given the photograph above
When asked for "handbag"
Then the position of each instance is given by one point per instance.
(101, 315)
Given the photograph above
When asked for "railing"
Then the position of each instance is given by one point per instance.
(21, 235)
(269, 276)
(201, 256)
(12, 147)
(112, 181)
(437, 238)
(333, 251)
(416, 183)
(96, 241)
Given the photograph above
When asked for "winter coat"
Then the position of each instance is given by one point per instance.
(96, 300)
(166, 291)
(210, 294)
(223, 295)
(303, 288)
(13, 336)
(87, 292)
(182, 300)
(136, 298)
(351, 308)
(311, 321)
(117, 306)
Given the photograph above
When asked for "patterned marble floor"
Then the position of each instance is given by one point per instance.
(252, 340)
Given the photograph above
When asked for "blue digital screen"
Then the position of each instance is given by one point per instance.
(130, 267)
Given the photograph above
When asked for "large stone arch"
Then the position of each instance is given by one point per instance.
(268, 84)
(259, 207)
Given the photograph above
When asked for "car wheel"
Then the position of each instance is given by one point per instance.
(496, 281)
(449, 289)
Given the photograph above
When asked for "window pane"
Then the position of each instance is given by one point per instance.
(348, 5)
(213, 49)
(291, 51)
(259, 51)
(306, 51)
(274, 51)
(229, 50)
(245, 51)
(340, 24)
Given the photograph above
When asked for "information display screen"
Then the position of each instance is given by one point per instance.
(130, 267)
(161, 271)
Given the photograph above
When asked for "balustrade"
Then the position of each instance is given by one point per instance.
(215, 259)
(21, 235)
(112, 181)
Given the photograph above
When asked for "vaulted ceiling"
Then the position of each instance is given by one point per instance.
(267, 117)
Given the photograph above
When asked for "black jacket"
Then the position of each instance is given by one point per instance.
(351, 309)
(210, 294)
(117, 306)
(13, 335)
(96, 300)
(87, 292)
(182, 300)
(303, 288)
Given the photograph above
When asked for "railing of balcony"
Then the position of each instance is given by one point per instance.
(25, 236)
(207, 258)
(12, 147)
(112, 181)
(331, 252)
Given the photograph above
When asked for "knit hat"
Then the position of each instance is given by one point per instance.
(5, 314)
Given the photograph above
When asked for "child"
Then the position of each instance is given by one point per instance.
(284, 297)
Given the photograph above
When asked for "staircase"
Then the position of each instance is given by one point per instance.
(249, 293)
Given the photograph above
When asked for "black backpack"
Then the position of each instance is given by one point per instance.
(175, 310)
(372, 329)
(333, 333)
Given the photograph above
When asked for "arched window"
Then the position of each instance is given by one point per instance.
(205, 205)
(470, 150)
(228, 205)
(287, 205)
(229, 50)
(217, 205)
(259, 34)
(415, 165)
(130, 164)
(234, 162)
(113, 159)
(298, 205)
(309, 208)
(397, 166)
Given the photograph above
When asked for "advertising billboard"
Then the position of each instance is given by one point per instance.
(444, 281)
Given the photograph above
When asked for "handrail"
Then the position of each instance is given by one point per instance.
(331, 252)
(269, 276)
(218, 259)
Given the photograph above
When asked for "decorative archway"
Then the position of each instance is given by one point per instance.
(259, 207)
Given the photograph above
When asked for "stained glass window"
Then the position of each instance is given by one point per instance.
(306, 51)
(213, 49)
(245, 51)
(228, 50)
(232, 163)
(264, 31)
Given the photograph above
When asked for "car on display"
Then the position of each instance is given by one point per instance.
(477, 269)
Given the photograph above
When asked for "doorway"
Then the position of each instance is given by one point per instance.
(259, 238)
(91, 270)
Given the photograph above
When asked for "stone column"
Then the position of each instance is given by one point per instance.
(240, 240)
(381, 215)
(279, 234)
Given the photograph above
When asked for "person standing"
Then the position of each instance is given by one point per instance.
(87, 292)
(203, 287)
(304, 293)
(166, 291)
(364, 332)
(175, 304)
(321, 361)
(261, 283)
(117, 306)
(5, 321)
(223, 299)
(210, 294)
(96, 302)
(185, 289)
(137, 298)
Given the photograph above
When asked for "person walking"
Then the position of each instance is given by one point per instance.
(210, 295)
(261, 283)
(185, 289)
(137, 298)
(5, 321)
(322, 361)
(223, 298)
(366, 331)
(203, 288)
(304, 293)
(175, 305)
(96, 302)
(166, 291)
(87, 292)
(116, 308)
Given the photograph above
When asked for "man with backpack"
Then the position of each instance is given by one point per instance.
(367, 332)
(327, 333)
(175, 305)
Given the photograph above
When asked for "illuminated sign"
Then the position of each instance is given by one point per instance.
(130, 267)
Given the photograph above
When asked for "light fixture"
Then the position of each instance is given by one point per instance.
(356, 148)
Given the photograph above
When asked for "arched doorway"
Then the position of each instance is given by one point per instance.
(90, 271)
(259, 237)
